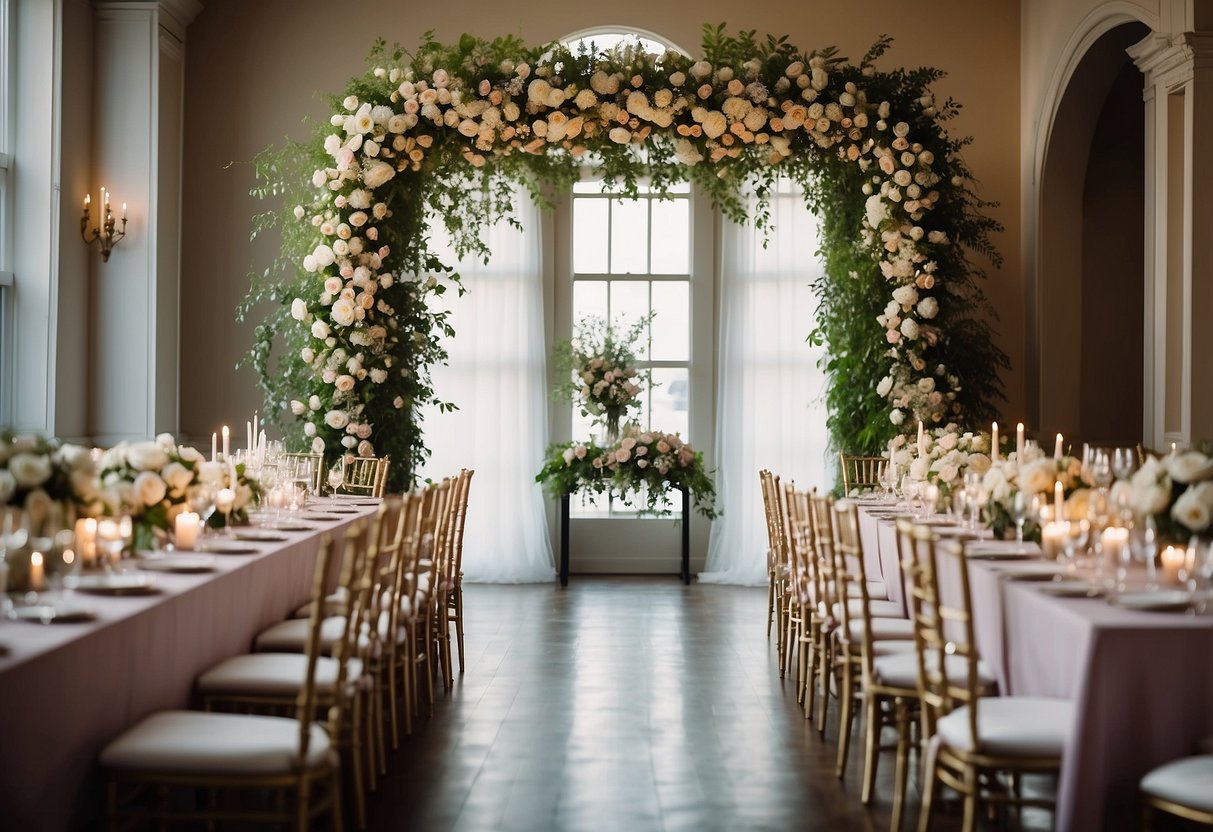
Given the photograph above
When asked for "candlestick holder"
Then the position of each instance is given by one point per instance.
(107, 232)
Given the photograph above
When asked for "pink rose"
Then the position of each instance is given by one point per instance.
(892, 336)
(344, 383)
(623, 455)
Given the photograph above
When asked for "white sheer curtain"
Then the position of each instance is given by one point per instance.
(770, 410)
(496, 375)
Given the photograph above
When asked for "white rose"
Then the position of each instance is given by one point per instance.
(30, 470)
(377, 173)
(317, 445)
(948, 473)
(212, 473)
(365, 448)
(906, 296)
(336, 419)
(909, 328)
(1038, 476)
(927, 385)
(309, 430)
(313, 403)
(948, 441)
(146, 456)
(344, 383)
(8, 486)
(1151, 499)
(886, 384)
(897, 416)
(919, 468)
(1191, 511)
(1189, 466)
(298, 407)
(320, 329)
(177, 477)
(324, 256)
(149, 488)
(343, 312)
(928, 308)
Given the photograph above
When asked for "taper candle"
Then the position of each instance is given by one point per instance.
(227, 442)
(994, 442)
(1057, 448)
(1059, 501)
(1019, 443)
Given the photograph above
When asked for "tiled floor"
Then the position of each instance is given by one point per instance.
(621, 704)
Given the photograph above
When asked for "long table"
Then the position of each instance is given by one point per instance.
(1142, 682)
(68, 689)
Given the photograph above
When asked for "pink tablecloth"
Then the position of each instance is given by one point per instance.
(68, 689)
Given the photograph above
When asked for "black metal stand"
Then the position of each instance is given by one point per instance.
(685, 572)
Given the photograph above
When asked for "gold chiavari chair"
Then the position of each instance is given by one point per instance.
(453, 583)
(973, 736)
(413, 606)
(869, 627)
(860, 472)
(776, 562)
(365, 475)
(345, 637)
(291, 462)
(803, 588)
(1182, 788)
(234, 752)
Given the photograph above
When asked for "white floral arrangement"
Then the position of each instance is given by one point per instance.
(951, 452)
(40, 476)
(151, 482)
(1176, 490)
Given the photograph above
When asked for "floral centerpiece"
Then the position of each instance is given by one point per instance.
(950, 453)
(660, 461)
(599, 364)
(1176, 490)
(1035, 474)
(41, 477)
(153, 483)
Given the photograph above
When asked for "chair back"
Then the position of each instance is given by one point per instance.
(943, 627)
(860, 471)
(829, 587)
(293, 465)
(361, 538)
(385, 566)
(798, 543)
(305, 702)
(851, 572)
(365, 475)
(776, 530)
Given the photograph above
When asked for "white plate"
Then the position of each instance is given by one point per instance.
(1161, 601)
(1029, 574)
(175, 562)
(999, 554)
(116, 584)
(1072, 589)
(221, 547)
(61, 613)
(323, 517)
(262, 535)
(291, 526)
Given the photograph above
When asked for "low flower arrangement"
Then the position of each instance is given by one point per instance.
(1176, 490)
(1038, 474)
(40, 476)
(153, 481)
(951, 452)
(660, 461)
(599, 365)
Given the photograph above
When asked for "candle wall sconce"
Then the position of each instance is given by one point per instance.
(106, 231)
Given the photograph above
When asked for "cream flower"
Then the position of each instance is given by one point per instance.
(344, 383)
(149, 488)
(1190, 466)
(343, 312)
(29, 470)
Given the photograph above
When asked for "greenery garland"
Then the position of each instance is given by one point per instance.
(445, 133)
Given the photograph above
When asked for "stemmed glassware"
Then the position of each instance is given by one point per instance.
(63, 564)
(1023, 508)
(202, 501)
(1124, 462)
(114, 534)
(975, 496)
(336, 474)
(1143, 542)
(1075, 542)
(1101, 469)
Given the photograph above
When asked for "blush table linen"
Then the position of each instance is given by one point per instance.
(66, 690)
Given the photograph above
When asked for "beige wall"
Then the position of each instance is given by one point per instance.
(253, 70)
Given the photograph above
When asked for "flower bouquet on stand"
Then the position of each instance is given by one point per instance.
(942, 456)
(598, 372)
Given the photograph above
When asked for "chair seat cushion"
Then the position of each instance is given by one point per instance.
(883, 629)
(1188, 782)
(900, 670)
(334, 604)
(878, 609)
(290, 636)
(1012, 726)
(272, 674)
(192, 742)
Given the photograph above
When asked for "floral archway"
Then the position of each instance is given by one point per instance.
(447, 132)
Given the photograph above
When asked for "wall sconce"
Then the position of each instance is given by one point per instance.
(105, 232)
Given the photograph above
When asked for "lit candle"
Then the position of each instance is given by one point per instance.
(1052, 538)
(1114, 541)
(1059, 501)
(124, 212)
(1019, 443)
(922, 440)
(1057, 448)
(214, 447)
(1173, 560)
(248, 436)
(86, 540)
(1172, 449)
(37, 573)
(994, 442)
(227, 442)
(186, 528)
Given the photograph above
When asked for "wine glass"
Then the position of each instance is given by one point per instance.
(1075, 543)
(63, 564)
(114, 534)
(336, 474)
(1101, 469)
(1143, 541)
(1021, 507)
(1124, 462)
(225, 501)
(202, 501)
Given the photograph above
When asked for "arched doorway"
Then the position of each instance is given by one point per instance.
(1087, 304)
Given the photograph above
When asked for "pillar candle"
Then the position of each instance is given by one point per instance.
(37, 572)
(1019, 443)
(214, 446)
(994, 442)
(86, 540)
(1173, 559)
(1052, 538)
(186, 529)
(1057, 448)
(1114, 541)
(1059, 501)
(227, 443)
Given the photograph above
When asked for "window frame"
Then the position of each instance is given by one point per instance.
(7, 105)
